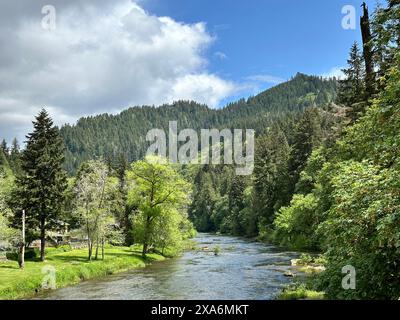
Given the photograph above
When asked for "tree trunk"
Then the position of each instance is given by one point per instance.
(102, 249)
(21, 253)
(129, 239)
(146, 237)
(145, 248)
(97, 249)
(21, 256)
(367, 52)
(42, 240)
(89, 241)
(89, 250)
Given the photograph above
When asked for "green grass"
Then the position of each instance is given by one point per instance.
(71, 268)
(300, 292)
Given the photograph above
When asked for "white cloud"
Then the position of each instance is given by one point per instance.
(202, 87)
(335, 72)
(265, 78)
(103, 57)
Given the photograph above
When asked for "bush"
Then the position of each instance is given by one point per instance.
(305, 259)
(300, 292)
(295, 226)
(30, 254)
(60, 249)
(362, 230)
(217, 250)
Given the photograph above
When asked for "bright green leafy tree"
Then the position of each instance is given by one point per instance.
(160, 195)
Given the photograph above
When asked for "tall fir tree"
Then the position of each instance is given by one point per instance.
(237, 204)
(352, 88)
(123, 212)
(4, 147)
(15, 157)
(41, 187)
(203, 203)
(308, 136)
(270, 174)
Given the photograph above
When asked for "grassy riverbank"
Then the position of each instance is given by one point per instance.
(303, 289)
(300, 291)
(71, 268)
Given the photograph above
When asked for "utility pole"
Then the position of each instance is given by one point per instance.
(21, 256)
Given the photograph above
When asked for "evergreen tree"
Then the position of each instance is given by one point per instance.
(204, 200)
(270, 174)
(352, 88)
(4, 147)
(40, 189)
(385, 27)
(308, 136)
(6, 185)
(236, 205)
(15, 157)
(124, 212)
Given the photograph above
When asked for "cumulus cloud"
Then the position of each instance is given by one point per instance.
(335, 72)
(198, 86)
(103, 56)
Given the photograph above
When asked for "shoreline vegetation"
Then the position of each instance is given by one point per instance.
(71, 267)
(303, 289)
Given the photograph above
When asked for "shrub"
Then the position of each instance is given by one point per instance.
(295, 226)
(362, 230)
(30, 254)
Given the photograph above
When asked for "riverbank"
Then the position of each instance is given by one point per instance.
(71, 267)
(242, 270)
(304, 289)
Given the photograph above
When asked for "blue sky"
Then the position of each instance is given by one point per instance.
(105, 56)
(269, 37)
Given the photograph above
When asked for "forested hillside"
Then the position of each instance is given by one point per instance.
(332, 183)
(123, 135)
(325, 180)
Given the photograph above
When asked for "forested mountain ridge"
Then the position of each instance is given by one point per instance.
(325, 179)
(113, 136)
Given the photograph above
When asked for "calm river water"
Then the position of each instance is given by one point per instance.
(243, 270)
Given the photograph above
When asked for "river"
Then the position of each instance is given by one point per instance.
(244, 270)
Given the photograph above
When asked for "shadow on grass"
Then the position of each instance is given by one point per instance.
(148, 259)
(9, 267)
(123, 254)
(131, 253)
(69, 259)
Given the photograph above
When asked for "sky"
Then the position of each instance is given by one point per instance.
(95, 56)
